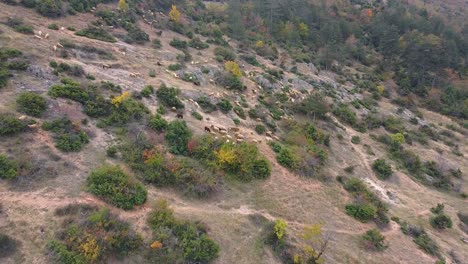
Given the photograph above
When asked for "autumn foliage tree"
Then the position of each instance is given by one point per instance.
(174, 14)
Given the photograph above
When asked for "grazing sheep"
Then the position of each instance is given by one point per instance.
(207, 129)
(180, 116)
(46, 36)
(38, 37)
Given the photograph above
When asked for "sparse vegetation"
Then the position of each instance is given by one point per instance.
(96, 33)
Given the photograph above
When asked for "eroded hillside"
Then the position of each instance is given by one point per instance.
(259, 156)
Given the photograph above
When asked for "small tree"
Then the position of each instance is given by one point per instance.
(280, 228)
(174, 14)
(123, 6)
(313, 247)
(233, 68)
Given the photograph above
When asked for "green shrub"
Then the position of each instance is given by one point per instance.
(225, 54)
(96, 33)
(135, 34)
(260, 129)
(177, 136)
(178, 44)
(205, 104)
(147, 91)
(157, 123)
(224, 105)
(197, 115)
(441, 221)
(152, 73)
(196, 43)
(374, 240)
(251, 59)
(8, 168)
(31, 104)
(168, 96)
(236, 121)
(8, 246)
(382, 169)
(345, 114)
(68, 137)
(362, 212)
(111, 151)
(174, 67)
(115, 187)
(286, 158)
(69, 89)
(182, 241)
(156, 43)
(53, 26)
(355, 139)
(10, 125)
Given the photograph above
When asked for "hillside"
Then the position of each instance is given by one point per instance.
(240, 132)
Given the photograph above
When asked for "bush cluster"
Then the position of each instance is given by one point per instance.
(206, 105)
(177, 136)
(382, 169)
(230, 81)
(440, 220)
(197, 43)
(313, 105)
(115, 187)
(367, 205)
(31, 104)
(157, 123)
(68, 136)
(224, 54)
(98, 33)
(90, 235)
(8, 168)
(224, 105)
(374, 240)
(178, 241)
(303, 150)
(74, 69)
(6, 54)
(421, 238)
(243, 161)
(10, 125)
(178, 44)
(147, 91)
(168, 96)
